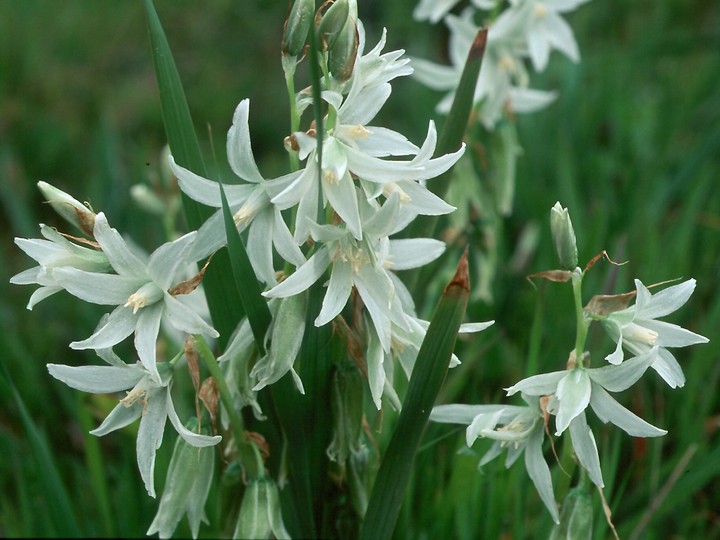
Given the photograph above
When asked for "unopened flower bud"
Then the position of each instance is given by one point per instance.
(332, 23)
(341, 56)
(260, 515)
(186, 490)
(563, 237)
(346, 403)
(297, 26)
(72, 210)
(576, 517)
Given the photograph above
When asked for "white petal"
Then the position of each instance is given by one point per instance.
(583, 443)
(167, 259)
(183, 318)
(122, 259)
(284, 241)
(146, 334)
(239, 149)
(303, 277)
(559, 33)
(118, 418)
(119, 325)
(482, 422)
(435, 76)
(192, 438)
(150, 435)
(259, 247)
(672, 335)
(617, 378)
(609, 410)
(211, 236)
(337, 294)
(342, 197)
(103, 289)
(375, 368)
(464, 414)
(415, 252)
(538, 385)
(664, 302)
(668, 368)
(384, 142)
(206, 191)
(423, 201)
(539, 472)
(97, 379)
(573, 392)
(471, 328)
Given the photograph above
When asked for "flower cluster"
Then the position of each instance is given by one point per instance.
(524, 29)
(567, 394)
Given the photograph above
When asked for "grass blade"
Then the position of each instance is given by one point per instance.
(225, 306)
(427, 377)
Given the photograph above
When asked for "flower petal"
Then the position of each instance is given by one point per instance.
(573, 393)
(239, 149)
(617, 378)
(150, 435)
(103, 289)
(538, 385)
(206, 191)
(303, 277)
(118, 418)
(195, 439)
(97, 379)
(183, 318)
(121, 257)
(609, 410)
(539, 472)
(583, 443)
(119, 325)
(337, 294)
(146, 334)
(415, 252)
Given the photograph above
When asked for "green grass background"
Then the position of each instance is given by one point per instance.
(632, 147)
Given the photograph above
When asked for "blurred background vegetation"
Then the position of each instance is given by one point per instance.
(631, 146)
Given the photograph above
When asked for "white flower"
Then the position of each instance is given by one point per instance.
(434, 10)
(503, 77)
(140, 289)
(55, 252)
(362, 264)
(249, 202)
(545, 29)
(573, 390)
(522, 431)
(352, 149)
(637, 329)
(149, 399)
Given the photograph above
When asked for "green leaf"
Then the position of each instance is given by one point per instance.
(225, 306)
(427, 377)
(247, 286)
(57, 501)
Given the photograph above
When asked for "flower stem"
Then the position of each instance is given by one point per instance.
(248, 453)
(582, 323)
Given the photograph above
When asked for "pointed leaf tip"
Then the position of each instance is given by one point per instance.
(479, 43)
(462, 275)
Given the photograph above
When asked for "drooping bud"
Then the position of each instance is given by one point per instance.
(72, 210)
(332, 23)
(260, 515)
(186, 490)
(297, 26)
(346, 403)
(563, 237)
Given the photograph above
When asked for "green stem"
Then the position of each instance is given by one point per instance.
(248, 453)
(582, 322)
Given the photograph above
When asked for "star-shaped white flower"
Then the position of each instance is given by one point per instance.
(250, 203)
(573, 390)
(522, 430)
(362, 264)
(544, 28)
(503, 80)
(636, 329)
(149, 399)
(141, 290)
(55, 251)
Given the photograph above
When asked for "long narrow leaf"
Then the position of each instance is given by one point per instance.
(225, 306)
(57, 499)
(427, 377)
(246, 284)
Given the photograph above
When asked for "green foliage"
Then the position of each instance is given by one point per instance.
(630, 147)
